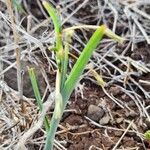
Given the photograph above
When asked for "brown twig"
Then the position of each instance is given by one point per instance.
(17, 50)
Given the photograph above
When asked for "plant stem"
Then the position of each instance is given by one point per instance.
(72, 81)
(57, 25)
(58, 33)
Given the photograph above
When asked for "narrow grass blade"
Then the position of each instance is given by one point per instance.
(82, 61)
(56, 21)
(60, 54)
(37, 94)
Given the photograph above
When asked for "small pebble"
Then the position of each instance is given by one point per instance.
(105, 120)
(95, 113)
(119, 120)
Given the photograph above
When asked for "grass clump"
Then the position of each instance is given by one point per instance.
(66, 84)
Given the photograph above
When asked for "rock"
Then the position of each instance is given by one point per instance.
(119, 120)
(95, 113)
(105, 120)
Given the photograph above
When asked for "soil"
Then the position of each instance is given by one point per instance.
(91, 136)
(93, 120)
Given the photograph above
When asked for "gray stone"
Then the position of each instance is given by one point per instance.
(95, 113)
(105, 120)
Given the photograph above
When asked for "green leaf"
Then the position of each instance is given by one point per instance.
(82, 61)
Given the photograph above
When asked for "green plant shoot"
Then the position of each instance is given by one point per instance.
(66, 84)
(37, 94)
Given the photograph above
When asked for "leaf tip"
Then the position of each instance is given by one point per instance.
(114, 36)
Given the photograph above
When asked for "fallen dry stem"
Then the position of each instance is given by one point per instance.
(116, 145)
(17, 50)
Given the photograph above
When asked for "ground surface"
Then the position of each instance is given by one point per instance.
(115, 117)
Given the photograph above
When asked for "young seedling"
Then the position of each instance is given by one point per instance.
(66, 84)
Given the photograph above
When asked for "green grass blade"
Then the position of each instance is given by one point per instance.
(35, 87)
(56, 21)
(79, 66)
(37, 94)
(60, 54)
